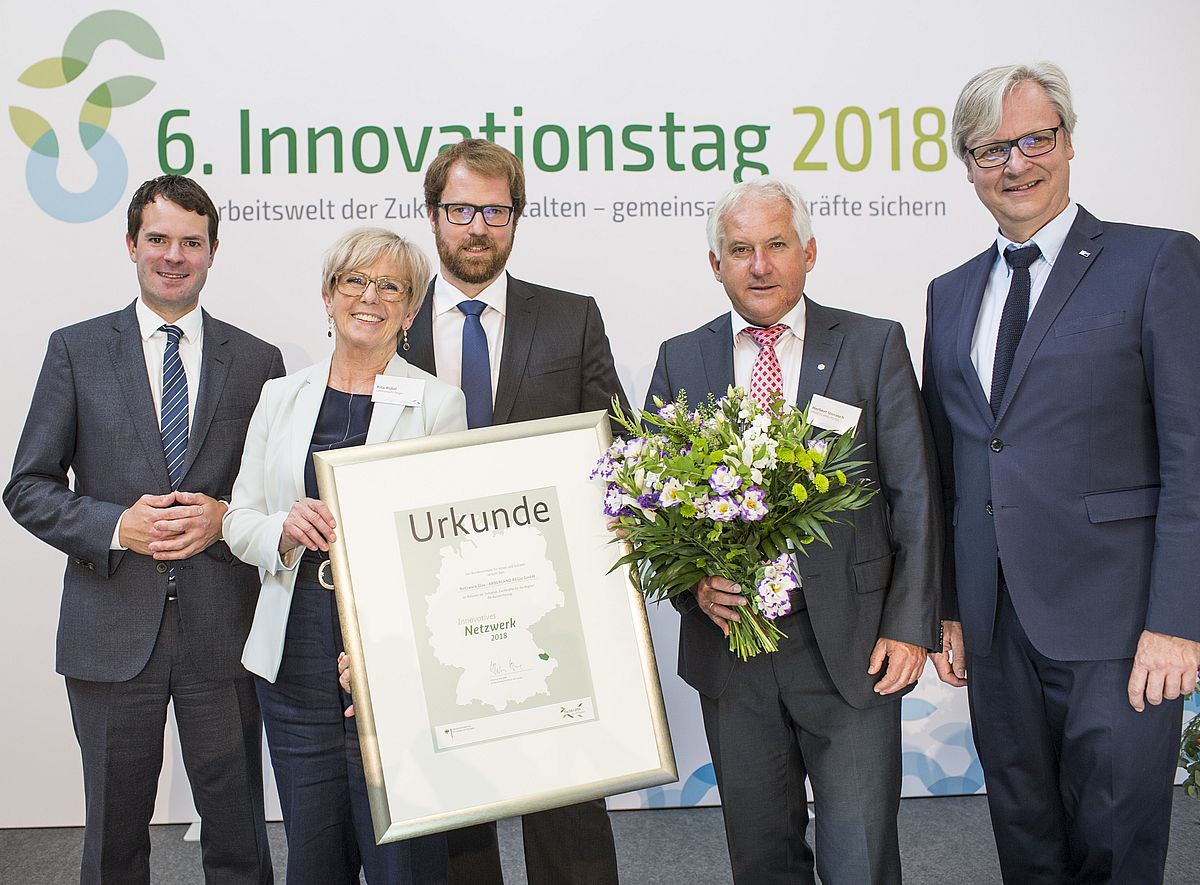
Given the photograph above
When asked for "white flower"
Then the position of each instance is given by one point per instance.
(754, 509)
(723, 509)
(724, 480)
(672, 493)
(633, 449)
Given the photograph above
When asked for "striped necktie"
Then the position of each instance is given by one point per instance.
(174, 406)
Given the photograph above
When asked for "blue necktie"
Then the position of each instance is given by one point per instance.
(174, 406)
(1012, 318)
(476, 366)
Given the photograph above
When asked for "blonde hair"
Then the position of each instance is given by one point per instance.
(980, 106)
(363, 246)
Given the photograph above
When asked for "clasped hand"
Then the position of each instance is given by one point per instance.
(173, 526)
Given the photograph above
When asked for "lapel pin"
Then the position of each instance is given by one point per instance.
(1085, 253)
(820, 367)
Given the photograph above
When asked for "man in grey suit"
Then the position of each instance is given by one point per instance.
(148, 407)
(826, 706)
(519, 352)
(1063, 387)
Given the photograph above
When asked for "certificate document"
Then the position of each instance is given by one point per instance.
(497, 629)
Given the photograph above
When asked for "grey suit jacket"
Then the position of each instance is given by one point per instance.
(882, 574)
(93, 414)
(555, 358)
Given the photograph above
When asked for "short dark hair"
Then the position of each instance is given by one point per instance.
(480, 156)
(181, 191)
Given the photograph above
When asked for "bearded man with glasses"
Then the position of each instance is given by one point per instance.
(1063, 387)
(519, 352)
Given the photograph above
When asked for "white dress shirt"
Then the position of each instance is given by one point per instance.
(789, 348)
(1050, 240)
(448, 327)
(154, 342)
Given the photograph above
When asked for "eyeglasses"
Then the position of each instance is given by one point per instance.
(353, 284)
(1032, 144)
(464, 213)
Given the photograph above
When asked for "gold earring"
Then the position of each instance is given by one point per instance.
(404, 336)
(329, 331)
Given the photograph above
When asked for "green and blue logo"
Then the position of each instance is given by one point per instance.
(112, 169)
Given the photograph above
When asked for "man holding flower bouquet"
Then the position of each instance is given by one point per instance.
(856, 629)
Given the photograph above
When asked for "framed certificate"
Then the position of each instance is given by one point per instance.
(498, 667)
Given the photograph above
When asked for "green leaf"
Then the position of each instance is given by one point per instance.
(50, 72)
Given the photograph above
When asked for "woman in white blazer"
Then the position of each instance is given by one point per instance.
(373, 283)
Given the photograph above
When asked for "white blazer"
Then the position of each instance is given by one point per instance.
(271, 480)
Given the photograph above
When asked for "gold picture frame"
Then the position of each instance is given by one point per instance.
(499, 668)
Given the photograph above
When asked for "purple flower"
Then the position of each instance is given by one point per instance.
(604, 469)
(754, 504)
(723, 509)
(777, 579)
(615, 502)
(773, 601)
(648, 501)
(634, 448)
(724, 480)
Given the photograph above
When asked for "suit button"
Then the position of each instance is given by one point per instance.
(988, 507)
(161, 568)
(996, 445)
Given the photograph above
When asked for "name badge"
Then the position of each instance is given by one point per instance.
(397, 391)
(829, 414)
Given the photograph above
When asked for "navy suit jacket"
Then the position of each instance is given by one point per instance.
(882, 574)
(554, 360)
(1086, 485)
(93, 414)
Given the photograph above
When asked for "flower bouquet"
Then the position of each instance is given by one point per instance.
(729, 488)
(1189, 756)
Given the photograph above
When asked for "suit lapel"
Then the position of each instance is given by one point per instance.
(519, 324)
(1068, 270)
(304, 420)
(972, 298)
(214, 369)
(129, 361)
(822, 344)
(716, 356)
(420, 336)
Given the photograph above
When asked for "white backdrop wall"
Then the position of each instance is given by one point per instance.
(692, 95)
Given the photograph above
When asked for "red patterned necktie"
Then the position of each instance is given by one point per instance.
(767, 377)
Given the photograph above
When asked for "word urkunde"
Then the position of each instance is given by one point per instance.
(456, 524)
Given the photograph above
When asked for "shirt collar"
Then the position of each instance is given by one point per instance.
(191, 323)
(446, 296)
(1049, 239)
(794, 319)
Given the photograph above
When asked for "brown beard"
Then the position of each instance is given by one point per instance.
(474, 270)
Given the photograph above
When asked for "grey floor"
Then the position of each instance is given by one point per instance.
(944, 841)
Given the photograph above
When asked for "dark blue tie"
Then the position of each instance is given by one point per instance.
(1012, 319)
(476, 366)
(174, 406)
